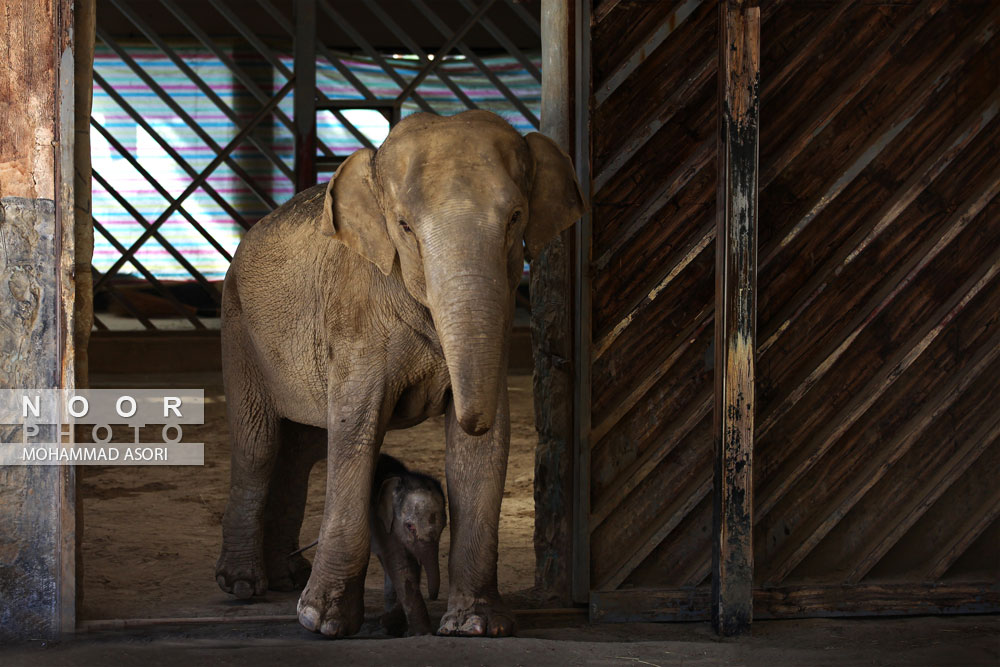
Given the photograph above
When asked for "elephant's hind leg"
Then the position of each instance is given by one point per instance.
(301, 447)
(253, 426)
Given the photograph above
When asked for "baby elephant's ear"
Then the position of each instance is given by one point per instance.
(556, 201)
(386, 511)
(351, 213)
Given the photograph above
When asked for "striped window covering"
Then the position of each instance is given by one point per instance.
(173, 130)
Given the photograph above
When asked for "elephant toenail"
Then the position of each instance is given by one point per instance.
(309, 618)
(243, 589)
(330, 629)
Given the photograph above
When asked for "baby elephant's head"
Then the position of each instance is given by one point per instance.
(412, 509)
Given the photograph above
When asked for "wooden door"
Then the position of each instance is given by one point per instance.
(877, 340)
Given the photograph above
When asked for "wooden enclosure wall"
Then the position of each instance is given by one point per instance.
(877, 437)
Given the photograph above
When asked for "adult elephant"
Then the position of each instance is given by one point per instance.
(373, 303)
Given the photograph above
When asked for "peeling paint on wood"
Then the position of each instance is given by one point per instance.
(735, 322)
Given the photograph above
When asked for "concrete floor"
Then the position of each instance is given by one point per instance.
(913, 642)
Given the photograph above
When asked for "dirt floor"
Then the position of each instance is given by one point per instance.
(152, 534)
(912, 642)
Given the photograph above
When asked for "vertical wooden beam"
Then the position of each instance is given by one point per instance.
(85, 16)
(305, 94)
(37, 503)
(552, 332)
(583, 332)
(735, 315)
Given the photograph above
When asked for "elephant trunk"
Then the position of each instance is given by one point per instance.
(469, 302)
(427, 556)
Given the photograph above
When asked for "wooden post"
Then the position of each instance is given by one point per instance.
(735, 315)
(37, 503)
(582, 309)
(552, 332)
(305, 94)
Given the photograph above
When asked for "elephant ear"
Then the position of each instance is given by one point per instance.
(556, 201)
(351, 213)
(386, 504)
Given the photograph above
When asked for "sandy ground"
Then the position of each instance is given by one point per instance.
(152, 533)
(911, 642)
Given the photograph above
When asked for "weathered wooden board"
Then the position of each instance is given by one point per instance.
(37, 516)
(876, 306)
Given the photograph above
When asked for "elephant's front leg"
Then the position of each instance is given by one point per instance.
(476, 469)
(333, 600)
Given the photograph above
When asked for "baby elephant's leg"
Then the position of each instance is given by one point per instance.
(405, 573)
(394, 618)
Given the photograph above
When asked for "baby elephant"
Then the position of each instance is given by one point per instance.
(407, 517)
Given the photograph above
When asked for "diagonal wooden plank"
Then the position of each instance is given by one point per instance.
(701, 75)
(922, 177)
(676, 264)
(921, 500)
(629, 479)
(795, 466)
(906, 273)
(968, 532)
(901, 117)
(931, 249)
(830, 18)
(819, 527)
(848, 90)
(604, 89)
(686, 338)
(675, 511)
(817, 446)
(702, 156)
(604, 8)
(664, 113)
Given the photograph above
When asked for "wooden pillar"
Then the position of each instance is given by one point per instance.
(85, 16)
(582, 322)
(37, 518)
(552, 332)
(735, 315)
(305, 94)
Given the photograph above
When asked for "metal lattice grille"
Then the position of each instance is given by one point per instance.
(194, 135)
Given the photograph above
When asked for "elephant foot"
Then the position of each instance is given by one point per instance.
(332, 614)
(286, 573)
(394, 621)
(477, 617)
(240, 574)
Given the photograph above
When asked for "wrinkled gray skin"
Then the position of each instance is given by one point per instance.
(408, 515)
(373, 303)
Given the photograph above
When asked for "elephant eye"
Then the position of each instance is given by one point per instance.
(406, 227)
(515, 218)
